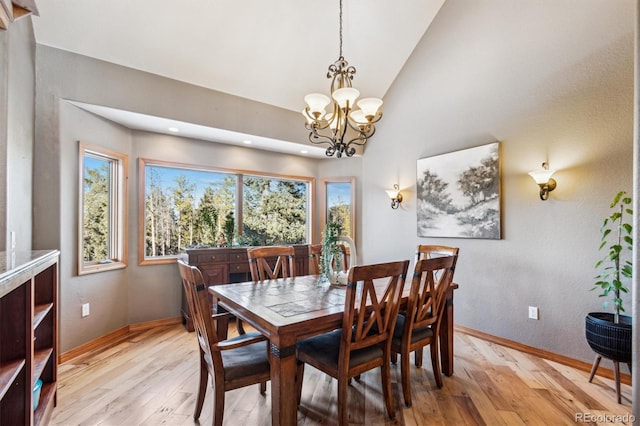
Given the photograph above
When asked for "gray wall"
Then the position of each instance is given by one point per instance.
(5, 54)
(17, 92)
(106, 292)
(550, 81)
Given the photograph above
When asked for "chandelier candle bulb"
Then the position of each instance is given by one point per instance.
(370, 107)
(359, 117)
(346, 96)
(317, 102)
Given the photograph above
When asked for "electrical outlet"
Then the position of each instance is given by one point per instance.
(533, 312)
(85, 310)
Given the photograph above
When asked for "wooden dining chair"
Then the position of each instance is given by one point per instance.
(261, 260)
(231, 363)
(428, 251)
(419, 325)
(315, 252)
(348, 250)
(345, 253)
(364, 341)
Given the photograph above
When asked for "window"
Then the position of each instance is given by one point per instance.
(103, 206)
(185, 206)
(338, 203)
(275, 211)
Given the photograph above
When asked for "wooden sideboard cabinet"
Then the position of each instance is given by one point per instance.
(28, 335)
(223, 265)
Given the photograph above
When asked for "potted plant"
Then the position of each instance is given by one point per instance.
(331, 257)
(609, 333)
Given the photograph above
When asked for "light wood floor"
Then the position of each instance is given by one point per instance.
(151, 379)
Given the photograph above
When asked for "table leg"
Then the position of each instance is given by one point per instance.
(284, 397)
(446, 336)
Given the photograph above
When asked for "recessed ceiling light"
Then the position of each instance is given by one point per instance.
(174, 129)
(247, 142)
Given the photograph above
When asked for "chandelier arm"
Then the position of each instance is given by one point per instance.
(334, 113)
(364, 131)
(316, 125)
(318, 139)
(362, 137)
(343, 123)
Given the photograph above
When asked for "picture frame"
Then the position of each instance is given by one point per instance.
(458, 194)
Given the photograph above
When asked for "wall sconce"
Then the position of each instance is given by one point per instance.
(395, 195)
(543, 179)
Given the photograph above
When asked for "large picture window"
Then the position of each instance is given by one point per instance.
(185, 206)
(103, 195)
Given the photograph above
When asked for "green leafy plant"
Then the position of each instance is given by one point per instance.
(332, 230)
(615, 269)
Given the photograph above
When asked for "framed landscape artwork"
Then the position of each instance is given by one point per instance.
(459, 194)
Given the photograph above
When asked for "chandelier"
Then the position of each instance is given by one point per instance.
(342, 127)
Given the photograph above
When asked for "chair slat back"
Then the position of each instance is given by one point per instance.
(261, 270)
(370, 316)
(315, 251)
(431, 281)
(429, 251)
(198, 300)
(345, 253)
(349, 252)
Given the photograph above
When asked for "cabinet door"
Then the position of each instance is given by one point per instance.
(215, 274)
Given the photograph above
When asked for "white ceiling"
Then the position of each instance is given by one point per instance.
(273, 52)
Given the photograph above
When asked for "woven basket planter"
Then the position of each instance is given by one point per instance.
(610, 340)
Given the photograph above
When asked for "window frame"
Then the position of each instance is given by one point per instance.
(118, 209)
(324, 204)
(239, 173)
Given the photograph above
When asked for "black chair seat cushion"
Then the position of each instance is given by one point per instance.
(245, 360)
(418, 333)
(326, 349)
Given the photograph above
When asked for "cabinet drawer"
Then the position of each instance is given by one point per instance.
(238, 256)
(215, 274)
(239, 267)
(212, 258)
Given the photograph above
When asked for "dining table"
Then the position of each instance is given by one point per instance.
(287, 310)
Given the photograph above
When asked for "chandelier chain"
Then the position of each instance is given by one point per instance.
(340, 28)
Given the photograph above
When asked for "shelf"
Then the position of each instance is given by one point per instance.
(40, 360)
(40, 312)
(47, 402)
(8, 373)
(29, 334)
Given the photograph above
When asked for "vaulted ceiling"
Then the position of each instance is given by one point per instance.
(268, 51)
(274, 52)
